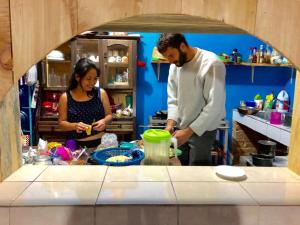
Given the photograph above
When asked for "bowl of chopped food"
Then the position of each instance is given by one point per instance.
(118, 156)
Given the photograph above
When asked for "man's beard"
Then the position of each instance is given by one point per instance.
(182, 59)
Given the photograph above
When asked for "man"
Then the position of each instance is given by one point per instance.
(196, 97)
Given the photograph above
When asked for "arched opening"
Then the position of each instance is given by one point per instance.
(197, 25)
(83, 26)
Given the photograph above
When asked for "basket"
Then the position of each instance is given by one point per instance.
(102, 155)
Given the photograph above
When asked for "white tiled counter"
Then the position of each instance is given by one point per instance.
(146, 195)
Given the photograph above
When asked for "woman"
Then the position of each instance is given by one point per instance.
(84, 110)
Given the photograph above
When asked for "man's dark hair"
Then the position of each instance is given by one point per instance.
(170, 40)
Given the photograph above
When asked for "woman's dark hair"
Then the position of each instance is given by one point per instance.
(82, 67)
(170, 40)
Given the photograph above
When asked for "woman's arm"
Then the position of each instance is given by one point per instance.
(62, 117)
(101, 124)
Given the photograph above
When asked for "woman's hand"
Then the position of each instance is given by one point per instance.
(99, 125)
(79, 127)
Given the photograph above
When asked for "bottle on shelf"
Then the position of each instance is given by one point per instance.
(254, 55)
(250, 55)
(267, 54)
(261, 54)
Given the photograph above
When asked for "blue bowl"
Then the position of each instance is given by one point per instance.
(101, 156)
(250, 104)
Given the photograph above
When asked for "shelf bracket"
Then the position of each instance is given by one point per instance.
(252, 74)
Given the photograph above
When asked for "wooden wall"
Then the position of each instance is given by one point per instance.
(6, 76)
(10, 133)
(38, 26)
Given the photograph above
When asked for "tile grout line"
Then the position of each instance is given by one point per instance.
(100, 190)
(177, 203)
(252, 197)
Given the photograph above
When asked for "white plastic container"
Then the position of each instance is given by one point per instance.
(282, 102)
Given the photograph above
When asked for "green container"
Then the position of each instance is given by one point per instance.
(156, 135)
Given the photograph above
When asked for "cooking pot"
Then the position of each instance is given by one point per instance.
(262, 160)
(266, 147)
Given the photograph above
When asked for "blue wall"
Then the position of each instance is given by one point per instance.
(152, 93)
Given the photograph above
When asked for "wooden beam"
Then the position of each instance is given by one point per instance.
(277, 23)
(240, 14)
(294, 150)
(10, 134)
(6, 76)
(39, 26)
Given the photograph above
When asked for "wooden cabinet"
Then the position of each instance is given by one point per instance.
(116, 59)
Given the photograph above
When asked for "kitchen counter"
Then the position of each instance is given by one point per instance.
(148, 195)
(278, 133)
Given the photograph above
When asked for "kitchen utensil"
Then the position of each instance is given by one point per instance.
(157, 145)
(266, 147)
(247, 110)
(83, 150)
(262, 160)
(231, 173)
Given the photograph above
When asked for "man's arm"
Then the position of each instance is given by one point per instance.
(172, 100)
(214, 93)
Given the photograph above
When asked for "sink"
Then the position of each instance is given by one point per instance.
(266, 116)
(263, 115)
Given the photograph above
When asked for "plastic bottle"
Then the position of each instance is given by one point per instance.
(282, 102)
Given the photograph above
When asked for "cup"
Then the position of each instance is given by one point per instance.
(276, 118)
(71, 144)
(88, 130)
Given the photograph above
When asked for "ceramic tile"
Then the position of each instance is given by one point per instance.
(27, 173)
(73, 173)
(269, 174)
(4, 216)
(279, 215)
(137, 173)
(211, 193)
(136, 193)
(287, 170)
(220, 215)
(58, 215)
(136, 215)
(59, 193)
(274, 193)
(9, 191)
(193, 173)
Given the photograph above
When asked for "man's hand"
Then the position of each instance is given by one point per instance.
(170, 129)
(183, 136)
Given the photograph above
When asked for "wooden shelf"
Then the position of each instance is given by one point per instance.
(55, 88)
(160, 61)
(58, 61)
(116, 64)
(236, 64)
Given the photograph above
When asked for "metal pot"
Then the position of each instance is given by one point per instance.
(266, 147)
(262, 160)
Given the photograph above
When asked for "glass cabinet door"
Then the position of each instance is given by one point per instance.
(86, 48)
(118, 68)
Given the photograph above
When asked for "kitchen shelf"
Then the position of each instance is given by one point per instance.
(252, 65)
(59, 61)
(55, 88)
(116, 64)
